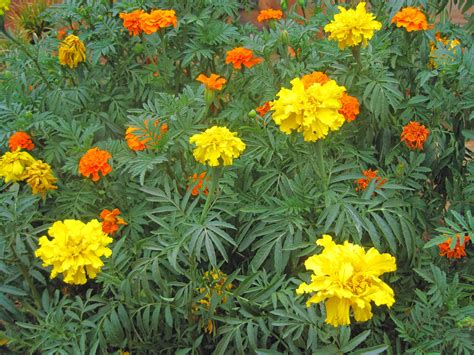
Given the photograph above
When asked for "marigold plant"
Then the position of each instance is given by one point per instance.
(95, 161)
(132, 21)
(13, 165)
(72, 51)
(347, 277)
(313, 111)
(20, 140)
(241, 56)
(213, 82)
(40, 177)
(411, 18)
(352, 27)
(217, 146)
(350, 107)
(414, 135)
(370, 175)
(111, 221)
(459, 249)
(269, 14)
(74, 250)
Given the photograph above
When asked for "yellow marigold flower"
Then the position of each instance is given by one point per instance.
(346, 276)
(72, 52)
(14, 164)
(4, 6)
(217, 145)
(39, 176)
(313, 111)
(352, 27)
(411, 18)
(75, 250)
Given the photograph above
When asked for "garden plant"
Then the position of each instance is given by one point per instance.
(176, 180)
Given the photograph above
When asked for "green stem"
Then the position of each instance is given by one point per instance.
(27, 52)
(216, 174)
(356, 55)
(320, 164)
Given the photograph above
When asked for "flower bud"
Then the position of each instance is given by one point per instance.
(252, 114)
(284, 38)
(284, 5)
(302, 3)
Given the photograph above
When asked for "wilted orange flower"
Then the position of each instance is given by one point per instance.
(262, 110)
(269, 14)
(350, 107)
(369, 176)
(132, 21)
(414, 135)
(138, 142)
(241, 56)
(459, 250)
(200, 181)
(110, 220)
(94, 161)
(313, 78)
(214, 82)
(411, 18)
(291, 52)
(152, 22)
(21, 140)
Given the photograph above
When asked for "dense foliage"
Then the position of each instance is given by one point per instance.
(211, 262)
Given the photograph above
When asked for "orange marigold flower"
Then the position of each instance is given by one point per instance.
(459, 250)
(132, 22)
(269, 14)
(262, 110)
(198, 186)
(152, 22)
(139, 141)
(94, 161)
(414, 135)
(214, 82)
(369, 176)
(62, 33)
(291, 52)
(20, 140)
(350, 107)
(313, 78)
(411, 18)
(110, 220)
(241, 56)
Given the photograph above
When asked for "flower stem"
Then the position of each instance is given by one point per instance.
(356, 54)
(216, 174)
(320, 165)
(27, 52)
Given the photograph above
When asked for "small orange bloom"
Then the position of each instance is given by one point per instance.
(414, 134)
(269, 14)
(262, 110)
(132, 22)
(241, 56)
(62, 33)
(313, 78)
(350, 107)
(152, 22)
(459, 250)
(138, 142)
(21, 140)
(214, 82)
(94, 161)
(411, 18)
(111, 222)
(200, 181)
(369, 176)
